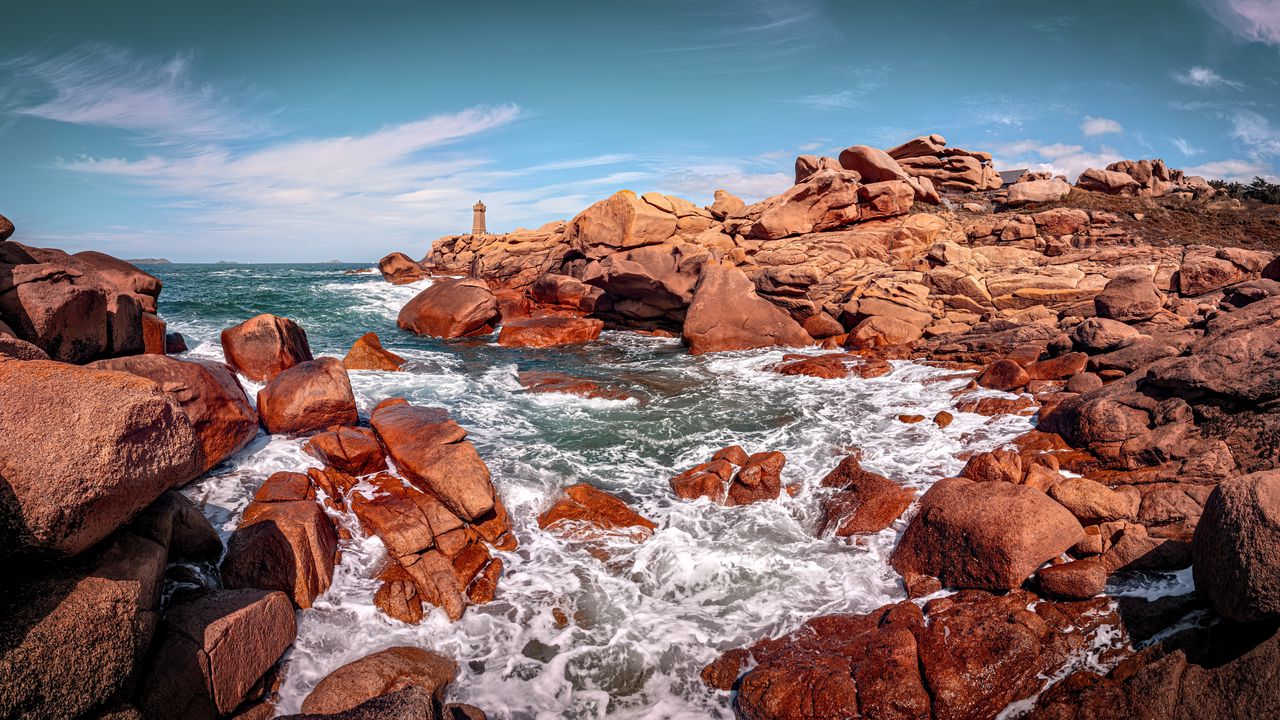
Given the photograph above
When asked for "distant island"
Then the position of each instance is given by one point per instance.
(150, 261)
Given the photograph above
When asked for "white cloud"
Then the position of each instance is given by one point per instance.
(1251, 20)
(1057, 158)
(1256, 133)
(1092, 126)
(863, 81)
(1185, 147)
(1206, 78)
(1237, 170)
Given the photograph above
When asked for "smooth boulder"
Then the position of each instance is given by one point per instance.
(1236, 548)
(381, 673)
(265, 346)
(367, 353)
(451, 308)
(727, 314)
(308, 397)
(541, 332)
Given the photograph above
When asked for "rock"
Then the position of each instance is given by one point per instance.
(409, 703)
(1075, 580)
(583, 505)
(98, 611)
(988, 535)
(59, 309)
(1092, 502)
(994, 466)
(565, 292)
(1004, 375)
(287, 546)
(431, 451)
(541, 332)
(727, 314)
(153, 334)
(726, 205)
(867, 502)
(1096, 335)
(619, 222)
(308, 397)
(1083, 382)
(6, 228)
(214, 650)
(1236, 548)
(1062, 221)
(174, 343)
(350, 450)
(1107, 181)
(367, 353)
(262, 347)
(547, 381)
(1129, 297)
(123, 276)
(1235, 359)
(379, 674)
(807, 165)
(451, 308)
(733, 478)
(400, 269)
(943, 418)
(872, 164)
(1062, 367)
(1037, 191)
(209, 394)
(83, 451)
(882, 331)
(12, 347)
(830, 367)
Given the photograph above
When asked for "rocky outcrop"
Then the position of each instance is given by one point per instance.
(400, 269)
(451, 308)
(948, 169)
(587, 513)
(1237, 547)
(84, 450)
(728, 314)
(264, 346)
(733, 478)
(367, 353)
(1142, 178)
(308, 397)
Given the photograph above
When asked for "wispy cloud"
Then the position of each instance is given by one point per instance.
(862, 82)
(1206, 78)
(1250, 20)
(154, 97)
(747, 34)
(1054, 25)
(1256, 133)
(1092, 126)
(1185, 147)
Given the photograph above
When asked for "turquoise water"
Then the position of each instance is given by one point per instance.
(646, 619)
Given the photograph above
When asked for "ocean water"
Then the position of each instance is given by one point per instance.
(646, 618)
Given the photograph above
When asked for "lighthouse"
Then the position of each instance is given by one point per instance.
(477, 219)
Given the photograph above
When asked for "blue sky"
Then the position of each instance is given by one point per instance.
(308, 131)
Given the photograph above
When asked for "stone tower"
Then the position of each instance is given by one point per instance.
(477, 219)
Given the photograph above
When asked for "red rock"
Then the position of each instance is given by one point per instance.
(1092, 502)
(1059, 368)
(174, 343)
(584, 505)
(263, 346)
(354, 451)
(943, 418)
(284, 486)
(122, 276)
(378, 674)
(1003, 375)
(723, 672)
(6, 228)
(451, 308)
(83, 451)
(990, 535)
(994, 466)
(549, 381)
(910, 419)
(307, 397)
(287, 546)
(866, 503)
(57, 308)
(208, 393)
(214, 651)
(759, 479)
(991, 406)
(367, 353)
(727, 314)
(1129, 297)
(1237, 547)
(398, 594)
(541, 332)
(407, 519)
(432, 452)
(733, 478)
(880, 331)
(565, 292)
(831, 367)
(1076, 580)
(400, 269)
(153, 334)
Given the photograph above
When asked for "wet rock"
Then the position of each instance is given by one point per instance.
(541, 332)
(350, 450)
(867, 502)
(284, 486)
(307, 397)
(380, 674)
(263, 346)
(83, 451)
(451, 308)
(400, 269)
(432, 452)
(367, 353)
(733, 478)
(727, 314)
(1003, 375)
(830, 367)
(566, 293)
(214, 650)
(209, 394)
(585, 512)
(994, 466)
(287, 546)
(408, 703)
(989, 535)
(174, 343)
(1237, 547)
(1076, 580)
(549, 381)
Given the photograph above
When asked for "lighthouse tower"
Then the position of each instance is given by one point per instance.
(477, 219)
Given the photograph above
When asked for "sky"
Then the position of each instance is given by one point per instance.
(308, 131)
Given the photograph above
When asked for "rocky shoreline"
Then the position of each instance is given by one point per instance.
(1151, 367)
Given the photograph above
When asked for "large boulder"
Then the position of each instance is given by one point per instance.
(1236, 549)
(379, 674)
(308, 397)
(213, 651)
(59, 309)
(1038, 191)
(541, 332)
(287, 546)
(351, 450)
(620, 222)
(451, 308)
(400, 269)
(565, 292)
(124, 276)
(1129, 297)
(733, 477)
(1110, 182)
(83, 451)
(648, 285)
(210, 395)
(265, 346)
(983, 535)
(6, 228)
(727, 314)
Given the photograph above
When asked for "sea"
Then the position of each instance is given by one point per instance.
(643, 619)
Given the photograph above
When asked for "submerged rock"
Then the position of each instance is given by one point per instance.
(585, 512)
(545, 381)
(541, 332)
(866, 502)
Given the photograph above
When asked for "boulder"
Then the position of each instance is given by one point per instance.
(308, 397)
(214, 650)
(381, 673)
(367, 353)
(541, 332)
(153, 334)
(400, 269)
(727, 314)
(733, 478)
(350, 450)
(209, 394)
(408, 703)
(286, 546)
(1236, 549)
(550, 381)
(585, 512)
(1004, 375)
(829, 367)
(59, 309)
(1096, 335)
(866, 502)
(174, 343)
(264, 346)
(565, 292)
(6, 228)
(620, 222)
(989, 535)
(123, 276)
(1129, 297)
(12, 347)
(882, 331)
(994, 466)
(451, 308)
(1075, 580)
(1092, 502)
(1107, 181)
(1037, 191)
(83, 451)
(648, 286)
